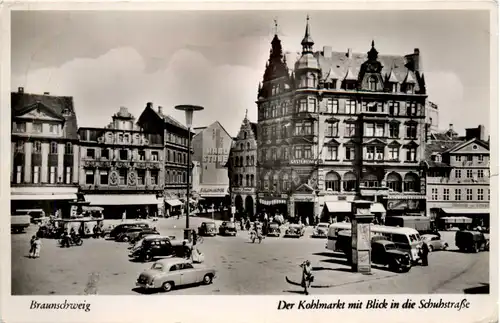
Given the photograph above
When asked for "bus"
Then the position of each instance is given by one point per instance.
(404, 238)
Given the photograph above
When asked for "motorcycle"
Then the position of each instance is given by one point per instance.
(75, 240)
(255, 235)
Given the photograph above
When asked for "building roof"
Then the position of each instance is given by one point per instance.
(341, 64)
(253, 125)
(58, 104)
(434, 147)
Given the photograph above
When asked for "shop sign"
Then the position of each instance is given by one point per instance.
(243, 190)
(299, 198)
(374, 192)
(213, 191)
(302, 161)
(403, 205)
(470, 205)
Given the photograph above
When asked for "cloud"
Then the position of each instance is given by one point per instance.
(119, 78)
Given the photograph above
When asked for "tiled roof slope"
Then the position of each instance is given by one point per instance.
(439, 146)
(19, 101)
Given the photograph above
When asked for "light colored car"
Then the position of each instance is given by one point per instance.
(434, 242)
(321, 230)
(169, 273)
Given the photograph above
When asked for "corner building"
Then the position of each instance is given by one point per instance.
(338, 123)
(44, 152)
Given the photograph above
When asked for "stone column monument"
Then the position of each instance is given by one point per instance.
(361, 236)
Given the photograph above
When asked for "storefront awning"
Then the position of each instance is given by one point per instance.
(377, 208)
(122, 199)
(465, 211)
(173, 202)
(338, 206)
(40, 197)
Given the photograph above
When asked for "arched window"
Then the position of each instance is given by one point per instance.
(37, 147)
(372, 83)
(241, 180)
(252, 179)
(120, 138)
(241, 146)
(285, 184)
(411, 183)
(241, 161)
(394, 182)
(248, 160)
(266, 181)
(248, 146)
(276, 182)
(245, 135)
(53, 147)
(68, 149)
(252, 160)
(370, 180)
(332, 182)
(349, 181)
(247, 182)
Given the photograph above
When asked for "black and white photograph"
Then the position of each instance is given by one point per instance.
(250, 152)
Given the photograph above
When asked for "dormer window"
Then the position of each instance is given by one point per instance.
(438, 158)
(394, 87)
(410, 88)
(311, 81)
(372, 83)
(349, 85)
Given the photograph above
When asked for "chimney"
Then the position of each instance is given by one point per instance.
(46, 93)
(160, 110)
(417, 62)
(149, 105)
(327, 51)
(349, 53)
(481, 132)
(20, 89)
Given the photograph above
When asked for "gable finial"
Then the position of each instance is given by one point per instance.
(246, 113)
(276, 26)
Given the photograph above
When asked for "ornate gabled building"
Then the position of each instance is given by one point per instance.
(337, 124)
(242, 169)
(44, 164)
(121, 168)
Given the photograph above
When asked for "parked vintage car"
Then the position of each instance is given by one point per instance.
(295, 230)
(434, 242)
(227, 229)
(120, 228)
(207, 229)
(133, 232)
(385, 253)
(472, 241)
(144, 233)
(157, 246)
(170, 273)
(321, 230)
(274, 230)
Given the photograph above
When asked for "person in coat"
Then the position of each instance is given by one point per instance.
(32, 247)
(307, 276)
(38, 246)
(424, 254)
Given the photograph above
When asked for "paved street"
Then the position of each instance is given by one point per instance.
(243, 267)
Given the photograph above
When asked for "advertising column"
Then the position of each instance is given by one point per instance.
(361, 236)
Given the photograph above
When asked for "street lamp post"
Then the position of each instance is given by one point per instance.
(188, 109)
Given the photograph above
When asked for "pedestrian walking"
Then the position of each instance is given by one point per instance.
(38, 247)
(194, 236)
(187, 250)
(307, 276)
(32, 247)
(424, 254)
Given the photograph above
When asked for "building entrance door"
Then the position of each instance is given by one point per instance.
(305, 210)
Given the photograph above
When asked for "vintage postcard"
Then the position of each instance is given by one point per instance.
(299, 162)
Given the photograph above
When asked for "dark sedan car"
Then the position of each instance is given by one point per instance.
(207, 229)
(227, 229)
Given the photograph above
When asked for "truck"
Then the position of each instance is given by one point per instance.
(420, 223)
(19, 221)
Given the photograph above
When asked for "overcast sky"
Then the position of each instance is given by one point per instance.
(216, 58)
